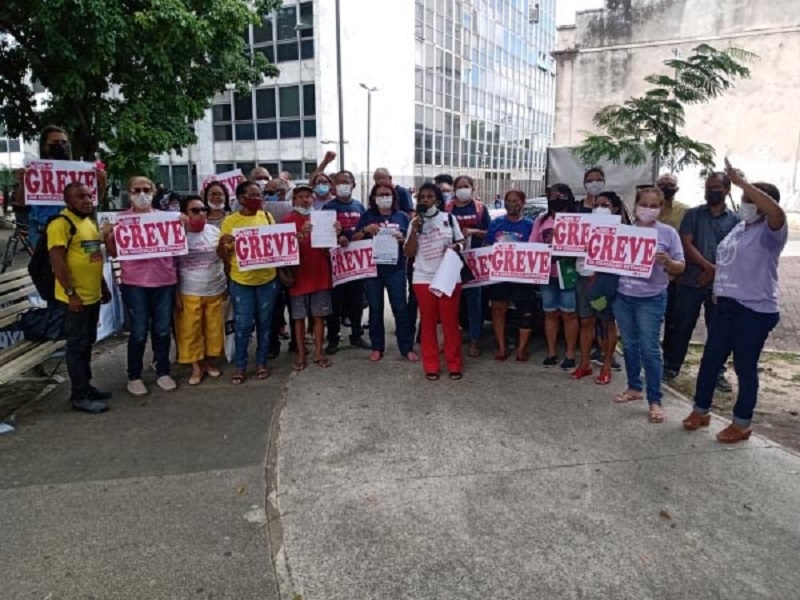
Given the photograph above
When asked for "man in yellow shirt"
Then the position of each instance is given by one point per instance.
(673, 211)
(73, 242)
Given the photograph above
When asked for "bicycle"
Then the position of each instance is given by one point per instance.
(20, 236)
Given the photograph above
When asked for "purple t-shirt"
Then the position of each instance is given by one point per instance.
(148, 272)
(668, 241)
(747, 265)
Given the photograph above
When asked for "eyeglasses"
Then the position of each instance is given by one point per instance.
(198, 210)
(141, 190)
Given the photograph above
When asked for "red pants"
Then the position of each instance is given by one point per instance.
(444, 310)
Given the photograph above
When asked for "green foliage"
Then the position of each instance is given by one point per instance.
(131, 75)
(650, 124)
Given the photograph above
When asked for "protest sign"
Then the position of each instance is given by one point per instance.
(521, 263)
(106, 217)
(480, 263)
(230, 179)
(622, 250)
(447, 276)
(571, 231)
(149, 235)
(266, 246)
(45, 180)
(353, 262)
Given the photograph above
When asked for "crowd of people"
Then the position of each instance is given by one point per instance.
(711, 256)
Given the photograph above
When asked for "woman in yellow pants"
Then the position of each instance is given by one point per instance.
(201, 293)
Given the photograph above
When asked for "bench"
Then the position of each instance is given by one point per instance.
(21, 356)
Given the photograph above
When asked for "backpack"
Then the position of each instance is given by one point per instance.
(39, 267)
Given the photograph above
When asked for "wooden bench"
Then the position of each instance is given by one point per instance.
(15, 360)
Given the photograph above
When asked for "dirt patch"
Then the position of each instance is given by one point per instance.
(778, 409)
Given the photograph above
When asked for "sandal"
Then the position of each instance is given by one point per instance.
(238, 377)
(456, 376)
(628, 396)
(299, 365)
(323, 361)
(213, 372)
(195, 379)
(501, 357)
(375, 356)
(432, 376)
(474, 350)
(656, 414)
(262, 373)
(523, 358)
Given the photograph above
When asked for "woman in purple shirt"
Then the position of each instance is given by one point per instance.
(640, 305)
(746, 293)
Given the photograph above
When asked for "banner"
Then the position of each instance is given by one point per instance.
(149, 235)
(571, 231)
(480, 263)
(45, 180)
(521, 263)
(353, 263)
(230, 179)
(266, 247)
(622, 250)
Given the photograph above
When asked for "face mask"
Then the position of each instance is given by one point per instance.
(593, 188)
(262, 183)
(142, 201)
(647, 215)
(195, 226)
(302, 210)
(322, 189)
(431, 212)
(217, 205)
(384, 202)
(601, 210)
(513, 211)
(715, 197)
(272, 197)
(749, 213)
(59, 151)
(252, 204)
(668, 191)
(463, 194)
(447, 196)
(559, 204)
(174, 208)
(343, 190)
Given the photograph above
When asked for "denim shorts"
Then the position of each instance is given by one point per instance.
(316, 304)
(554, 298)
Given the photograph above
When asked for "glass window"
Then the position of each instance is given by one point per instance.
(13, 145)
(309, 100)
(223, 133)
(287, 19)
(263, 33)
(221, 112)
(267, 131)
(246, 167)
(268, 52)
(287, 52)
(310, 128)
(307, 19)
(310, 168)
(290, 101)
(224, 167)
(245, 131)
(295, 168)
(180, 177)
(290, 129)
(163, 175)
(272, 167)
(243, 106)
(265, 103)
(307, 49)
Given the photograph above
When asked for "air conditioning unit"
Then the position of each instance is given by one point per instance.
(533, 14)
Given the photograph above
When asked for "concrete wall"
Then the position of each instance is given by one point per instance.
(604, 58)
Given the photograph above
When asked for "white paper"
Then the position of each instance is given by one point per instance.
(323, 231)
(385, 247)
(448, 275)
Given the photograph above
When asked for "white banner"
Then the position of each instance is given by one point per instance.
(45, 180)
(353, 263)
(266, 246)
(571, 231)
(622, 250)
(149, 235)
(521, 263)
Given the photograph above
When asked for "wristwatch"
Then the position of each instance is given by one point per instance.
(69, 292)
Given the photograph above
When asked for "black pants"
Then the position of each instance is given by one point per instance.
(81, 330)
(348, 301)
(278, 319)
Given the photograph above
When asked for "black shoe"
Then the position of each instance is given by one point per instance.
(597, 357)
(568, 364)
(550, 361)
(274, 352)
(723, 385)
(333, 348)
(93, 407)
(670, 375)
(360, 343)
(96, 394)
(615, 366)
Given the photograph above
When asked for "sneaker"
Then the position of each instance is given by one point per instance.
(723, 385)
(166, 383)
(568, 364)
(670, 375)
(550, 361)
(136, 387)
(597, 357)
(359, 343)
(97, 394)
(615, 366)
(93, 407)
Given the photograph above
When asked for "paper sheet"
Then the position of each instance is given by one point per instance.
(448, 275)
(323, 232)
(385, 247)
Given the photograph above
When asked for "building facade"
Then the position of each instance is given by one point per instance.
(461, 86)
(604, 58)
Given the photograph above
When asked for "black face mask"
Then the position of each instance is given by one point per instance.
(669, 191)
(59, 152)
(559, 205)
(715, 197)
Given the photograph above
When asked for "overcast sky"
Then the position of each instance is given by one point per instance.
(566, 9)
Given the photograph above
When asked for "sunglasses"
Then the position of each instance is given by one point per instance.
(198, 210)
(141, 190)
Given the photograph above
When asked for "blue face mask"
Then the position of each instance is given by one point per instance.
(271, 197)
(322, 189)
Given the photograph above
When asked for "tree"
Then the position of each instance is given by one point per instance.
(651, 124)
(130, 75)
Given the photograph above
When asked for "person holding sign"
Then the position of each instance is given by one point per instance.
(430, 235)
(148, 293)
(558, 302)
(473, 219)
(387, 225)
(201, 291)
(252, 291)
(640, 305)
(217, 202)
(513, 227)
(746, 290)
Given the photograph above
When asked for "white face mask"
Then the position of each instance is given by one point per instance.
(217, 205)
(343, 190)
(447, 196)
(601, 210)
(748, 212)
(431, 211)
(384, 202)
(302, 210)
(463, 194)
(647, 215)
(593, 188)
(262, 183)
(142, 201)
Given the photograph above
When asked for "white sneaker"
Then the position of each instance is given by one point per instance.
(166, 383)
(136, 387)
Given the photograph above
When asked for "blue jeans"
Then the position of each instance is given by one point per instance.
(736, 329)
(149, 310)
(688, 301)
(473, 297)
(639, 323)
(252, 304)
(395, 285)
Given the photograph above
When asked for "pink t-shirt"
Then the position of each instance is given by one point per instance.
(148, 272)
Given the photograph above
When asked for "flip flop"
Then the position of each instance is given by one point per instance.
(299, 366)
(262, 373)
(456, 376)
(213, 372)
(628, 396)
(238, 377)
(323, 361)
(195, 380)
(656, 414)
(432, 376)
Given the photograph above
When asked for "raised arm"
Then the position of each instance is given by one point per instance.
(776, 217)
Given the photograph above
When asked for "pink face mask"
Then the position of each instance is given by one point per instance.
(647, 215)
(195, 226)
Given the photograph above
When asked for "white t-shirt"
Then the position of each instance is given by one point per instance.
(438, 232)
(201, 272)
